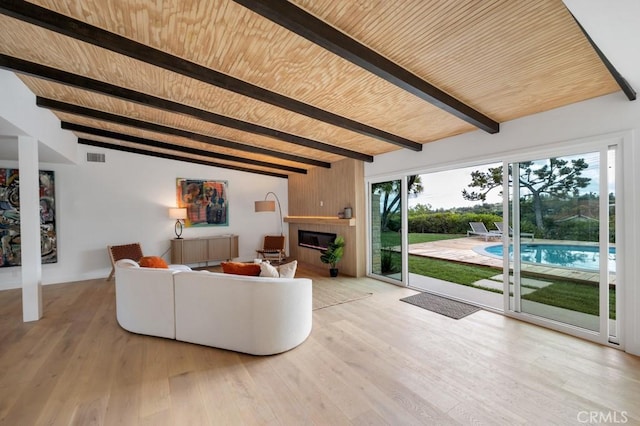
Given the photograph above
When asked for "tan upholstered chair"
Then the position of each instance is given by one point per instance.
(126, 251)
(273, 248)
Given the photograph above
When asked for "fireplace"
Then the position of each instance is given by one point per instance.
(315, 240)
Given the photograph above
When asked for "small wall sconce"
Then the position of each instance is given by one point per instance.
(270, 206)
(179, 214)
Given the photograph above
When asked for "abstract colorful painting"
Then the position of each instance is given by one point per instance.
(10, 252)
(206, 202)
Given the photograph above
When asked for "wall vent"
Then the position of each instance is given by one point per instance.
(95, 157)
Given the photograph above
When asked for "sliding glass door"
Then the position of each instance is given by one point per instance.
(562, 258)
(386, 221)
(533, 236)
(452, 231)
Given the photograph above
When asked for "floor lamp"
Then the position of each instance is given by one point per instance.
(270, 206)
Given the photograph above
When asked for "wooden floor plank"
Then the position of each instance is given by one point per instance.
(374, 360)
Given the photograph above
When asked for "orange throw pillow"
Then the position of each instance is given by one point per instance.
(239, 268)
(153, 262)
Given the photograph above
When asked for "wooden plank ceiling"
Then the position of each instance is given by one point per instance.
(219, 83)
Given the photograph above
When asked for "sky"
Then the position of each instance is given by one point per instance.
(444, 189)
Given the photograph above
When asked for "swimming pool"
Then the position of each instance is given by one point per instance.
(562, 255)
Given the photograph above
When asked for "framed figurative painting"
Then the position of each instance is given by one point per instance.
(10, 250)
(205, 200)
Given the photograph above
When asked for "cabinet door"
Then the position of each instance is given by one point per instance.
(176, 251)
(219, 248)
(194, 251)
(233, 247)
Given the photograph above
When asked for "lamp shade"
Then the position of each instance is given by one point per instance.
(265, 206)
(270, 206)
(177, 213)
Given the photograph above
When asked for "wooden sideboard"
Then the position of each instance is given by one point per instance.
(187, 251)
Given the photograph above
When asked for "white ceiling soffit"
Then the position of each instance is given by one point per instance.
(614, 28)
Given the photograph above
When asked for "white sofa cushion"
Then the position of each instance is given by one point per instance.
(255, 315)
(145, 299)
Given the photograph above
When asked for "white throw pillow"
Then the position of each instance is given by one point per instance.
(288, 270)
(268, 270)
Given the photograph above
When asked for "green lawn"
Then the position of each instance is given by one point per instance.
(574, 296)
(390, 239)
(451, 271)
(427, 238)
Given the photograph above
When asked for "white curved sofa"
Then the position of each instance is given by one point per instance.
(254, 315)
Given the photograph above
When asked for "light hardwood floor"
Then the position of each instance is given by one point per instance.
(375, 360)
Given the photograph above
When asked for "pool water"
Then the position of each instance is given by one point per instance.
(563, 255)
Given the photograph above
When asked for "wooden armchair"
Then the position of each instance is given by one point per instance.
(273, 248)
(126, 251)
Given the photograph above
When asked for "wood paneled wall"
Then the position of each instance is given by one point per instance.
(325, 192)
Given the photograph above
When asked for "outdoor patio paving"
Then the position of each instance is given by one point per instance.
(468, 250)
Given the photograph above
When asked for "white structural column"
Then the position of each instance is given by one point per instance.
(30, 229)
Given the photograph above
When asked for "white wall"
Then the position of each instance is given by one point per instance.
(121, 201)
(613, 26)
(20, 116)
(126, 200)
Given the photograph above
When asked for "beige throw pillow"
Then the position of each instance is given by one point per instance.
(268, 270)
(288, 270)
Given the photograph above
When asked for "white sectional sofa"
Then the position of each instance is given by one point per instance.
(254, 315)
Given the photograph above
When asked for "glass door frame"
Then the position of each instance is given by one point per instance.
(627, 207)
(597, 144)
(403, 230)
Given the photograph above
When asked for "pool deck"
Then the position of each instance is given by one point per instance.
(467, 250)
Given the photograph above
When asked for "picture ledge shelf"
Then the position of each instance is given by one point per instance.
(322, 220)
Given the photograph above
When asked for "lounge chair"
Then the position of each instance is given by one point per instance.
(273, 248)
(501, 231)
(478, 228)
(131, 251)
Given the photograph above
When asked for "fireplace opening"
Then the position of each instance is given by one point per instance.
(315, 240)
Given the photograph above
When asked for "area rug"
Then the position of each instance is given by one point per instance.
(332, 294)
(326, 292)
(441, 305)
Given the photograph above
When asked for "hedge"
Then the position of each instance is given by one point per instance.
(450, 222)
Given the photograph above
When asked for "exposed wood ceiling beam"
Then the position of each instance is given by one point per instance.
(175, 157)
(132, 122)
(82, 31)
(85, 83)
(304, 24)
(622, 82)
(164, 145)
